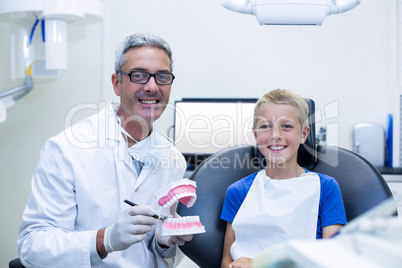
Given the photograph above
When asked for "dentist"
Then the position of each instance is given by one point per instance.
(75, 216)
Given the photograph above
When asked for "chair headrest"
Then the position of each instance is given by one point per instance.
(307, 155)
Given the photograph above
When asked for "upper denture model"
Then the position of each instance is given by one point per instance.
(182, 191)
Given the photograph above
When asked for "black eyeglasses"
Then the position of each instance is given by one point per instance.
(141, 77)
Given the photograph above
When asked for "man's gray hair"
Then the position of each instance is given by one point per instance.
(140, 40)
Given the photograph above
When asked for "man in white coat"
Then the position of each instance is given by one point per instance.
(76, 216)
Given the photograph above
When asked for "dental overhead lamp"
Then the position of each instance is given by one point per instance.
(47, 20)
(290, 12)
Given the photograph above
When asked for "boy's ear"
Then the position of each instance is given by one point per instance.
(304, 134)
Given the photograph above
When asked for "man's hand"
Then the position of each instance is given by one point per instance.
(130, 227)
(242, 262)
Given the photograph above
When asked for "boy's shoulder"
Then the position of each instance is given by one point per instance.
(243, 184)
(325, 179)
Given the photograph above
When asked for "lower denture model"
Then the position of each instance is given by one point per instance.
(182, 191)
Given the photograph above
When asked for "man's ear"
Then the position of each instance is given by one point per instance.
(116, 84)
(304, 134)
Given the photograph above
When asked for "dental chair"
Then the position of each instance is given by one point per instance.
(362, 187)
(16, 263)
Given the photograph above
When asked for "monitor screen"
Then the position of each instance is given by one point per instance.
(206, 126)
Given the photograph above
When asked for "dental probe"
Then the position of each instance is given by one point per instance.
(134, 204)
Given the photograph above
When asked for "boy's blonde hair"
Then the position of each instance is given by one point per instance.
(283, 96)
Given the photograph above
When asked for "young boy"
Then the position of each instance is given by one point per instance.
(283, 201)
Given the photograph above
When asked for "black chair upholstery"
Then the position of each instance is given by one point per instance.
(16, 263)
(362, 188)
(362, 185)
(307, 156)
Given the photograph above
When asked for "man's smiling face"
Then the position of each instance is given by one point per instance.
(149, 100)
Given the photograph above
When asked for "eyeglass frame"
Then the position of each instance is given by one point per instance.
(150, 75)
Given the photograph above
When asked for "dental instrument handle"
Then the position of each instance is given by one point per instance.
(134, 204)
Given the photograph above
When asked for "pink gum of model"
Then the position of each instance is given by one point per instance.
(182, 191)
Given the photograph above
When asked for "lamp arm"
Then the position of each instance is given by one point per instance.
(12, 91)
(25, 88)
(28, 85)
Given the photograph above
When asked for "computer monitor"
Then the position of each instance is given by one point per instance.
(205, 126)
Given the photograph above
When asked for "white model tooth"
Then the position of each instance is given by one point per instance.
(174, 198)
(165, 205)
(191, 202)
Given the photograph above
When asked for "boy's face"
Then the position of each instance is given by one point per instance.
(278, 133)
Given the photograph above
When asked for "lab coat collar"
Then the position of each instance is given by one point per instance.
(108, 127)
(109, 133)
(149, 149)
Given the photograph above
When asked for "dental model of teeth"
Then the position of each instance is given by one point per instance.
(182, 226)
(182, 191)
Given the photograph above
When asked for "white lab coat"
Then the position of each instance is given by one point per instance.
(78, 187)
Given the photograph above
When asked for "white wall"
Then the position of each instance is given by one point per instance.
(350, 62)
